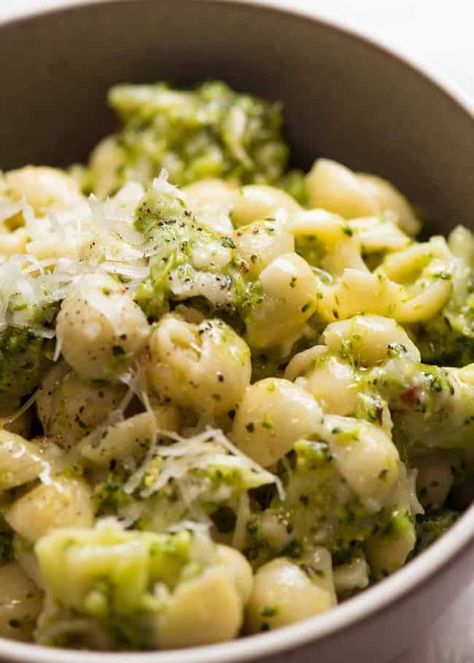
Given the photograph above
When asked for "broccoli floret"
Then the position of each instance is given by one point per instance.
(211, 131)
(25, 359)
(189, 260)
(110, 497)
(26, 343)
(448, 339)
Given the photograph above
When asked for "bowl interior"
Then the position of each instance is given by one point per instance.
(344, 97)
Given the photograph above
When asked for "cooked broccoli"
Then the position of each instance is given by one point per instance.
(318, 508)
(25, 359)
(108, 575)
(111, 588)
(201, 477)
(189, 260)
(26, 343)
(432, 407)
(211, 131)
(448, 339)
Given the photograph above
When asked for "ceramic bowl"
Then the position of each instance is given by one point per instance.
(345, 98)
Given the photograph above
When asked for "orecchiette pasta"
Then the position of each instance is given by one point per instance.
(330, 381)
(305, 361)
(105, 166)
(377, 235)
(317, 564)
(329, 239)
(357, 292)
(260, 242)
(365, 456)
(239, 569)
(20, 603)
(288, 301)
(424, 272)
(351, 576)
(285, 592)
(204, 366)
(202, 611)
(21, 461)
(333, 187)
(210, 192)
(258, 202)
(69, 407)
(59, 502)
(100, 328)
(44, 189)
(369, 339)
(26, 558)
(272, 415)
(387, 551)
(129, 439)
(212, 201)
(391, 202)
(435, 477)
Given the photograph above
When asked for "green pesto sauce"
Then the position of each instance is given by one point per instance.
(25, 358)
(318, 508)
(177, 236)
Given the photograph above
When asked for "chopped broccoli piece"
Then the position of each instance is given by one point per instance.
(130, 590)
(318, 508)
(195, 479)
(211, 131)
(110, 497)
(189, 261)
(432, 407)
(25, 359)
(448, 339)
(110, 577)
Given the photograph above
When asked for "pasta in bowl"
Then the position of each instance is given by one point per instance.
(232, 395)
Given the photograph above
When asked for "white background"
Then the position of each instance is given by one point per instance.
(440, 34)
